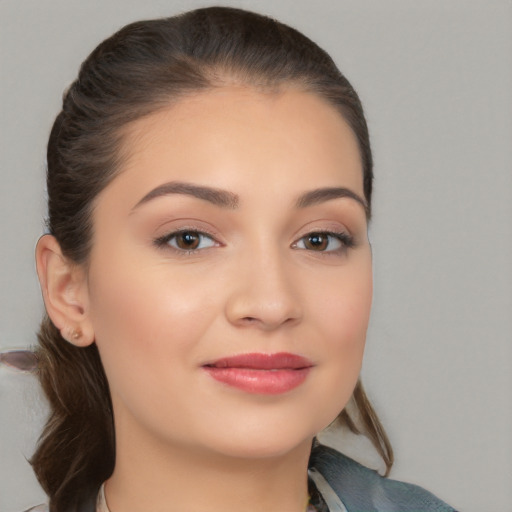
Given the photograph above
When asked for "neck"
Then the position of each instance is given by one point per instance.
(163, 477)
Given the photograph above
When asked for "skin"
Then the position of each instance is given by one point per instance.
(254, 284)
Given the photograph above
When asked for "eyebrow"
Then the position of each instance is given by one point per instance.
(226, 199)
(321, 195)
(218, 197)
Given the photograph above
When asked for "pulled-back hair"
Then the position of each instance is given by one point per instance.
(140, 69)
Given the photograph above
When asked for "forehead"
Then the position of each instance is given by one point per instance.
(243, 139)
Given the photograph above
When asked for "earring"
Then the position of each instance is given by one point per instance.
(72, 334)
(76, 334)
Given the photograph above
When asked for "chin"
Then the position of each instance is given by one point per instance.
(260, 434)
(259, 440)
(256, 448)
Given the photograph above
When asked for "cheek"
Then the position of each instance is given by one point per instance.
(343, 308)
(147, 322)
(342, 313)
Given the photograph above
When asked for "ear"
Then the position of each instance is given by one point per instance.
(65, 292)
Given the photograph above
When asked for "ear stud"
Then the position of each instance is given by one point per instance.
(76, 334)
(72, 334)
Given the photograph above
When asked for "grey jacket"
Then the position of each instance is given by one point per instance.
(363, 490)
(356, 488)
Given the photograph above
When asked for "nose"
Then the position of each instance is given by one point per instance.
(264, 295)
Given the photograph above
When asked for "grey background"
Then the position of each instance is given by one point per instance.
(436, 79)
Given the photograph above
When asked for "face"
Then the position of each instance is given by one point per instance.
(230, 281)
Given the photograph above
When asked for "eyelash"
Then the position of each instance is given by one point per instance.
(163, 242)
(345, 240)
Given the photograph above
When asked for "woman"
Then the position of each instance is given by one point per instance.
(207, 277)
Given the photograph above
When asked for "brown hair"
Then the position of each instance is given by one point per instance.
(141, 68)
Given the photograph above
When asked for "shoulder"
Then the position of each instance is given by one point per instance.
(361, 488)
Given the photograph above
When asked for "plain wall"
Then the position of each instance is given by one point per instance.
(435, 78)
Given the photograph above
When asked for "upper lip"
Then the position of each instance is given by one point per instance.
(261, 361)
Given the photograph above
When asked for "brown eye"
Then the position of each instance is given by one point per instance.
(188, 240)
(316, 241)
(325, 241)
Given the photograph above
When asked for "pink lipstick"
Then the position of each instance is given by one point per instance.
(268, 374)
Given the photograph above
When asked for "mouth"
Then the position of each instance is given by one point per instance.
(268, 374)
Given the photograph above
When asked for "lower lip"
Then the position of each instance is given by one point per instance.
(264, 382)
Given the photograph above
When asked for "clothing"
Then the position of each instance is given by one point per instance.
(344, 485)
(363, 490)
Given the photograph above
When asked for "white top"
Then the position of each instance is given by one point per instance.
(329, 496)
